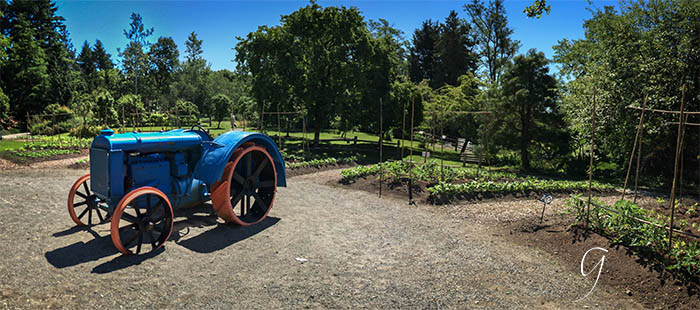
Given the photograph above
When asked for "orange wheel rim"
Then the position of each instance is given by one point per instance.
(145, 226)
(247, 189)
(87, 203)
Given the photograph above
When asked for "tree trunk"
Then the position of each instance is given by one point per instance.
(524, 139)
(317, 127)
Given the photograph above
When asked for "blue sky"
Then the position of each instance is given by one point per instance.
(218, 23)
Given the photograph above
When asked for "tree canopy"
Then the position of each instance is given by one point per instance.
(321, 59)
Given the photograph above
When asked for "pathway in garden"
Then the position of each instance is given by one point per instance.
(321, 247)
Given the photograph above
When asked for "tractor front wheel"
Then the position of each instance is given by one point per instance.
(143, 216)
(82, 202)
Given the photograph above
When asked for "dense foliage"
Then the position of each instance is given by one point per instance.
(641, 47)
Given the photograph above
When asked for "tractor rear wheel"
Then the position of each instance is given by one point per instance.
(143, 216)
(247, 188)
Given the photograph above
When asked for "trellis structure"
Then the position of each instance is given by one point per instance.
(304, 145)
(677, 181)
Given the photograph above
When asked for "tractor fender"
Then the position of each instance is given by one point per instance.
(217, 153)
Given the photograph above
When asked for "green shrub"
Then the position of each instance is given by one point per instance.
(85, 131)
(56, 119)
(158, 119)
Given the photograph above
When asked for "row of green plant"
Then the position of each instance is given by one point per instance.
(430, 172)
(42, 153)
(444, 191)
(56, 142)
(48, 146)
(647, 239)
(322, 162)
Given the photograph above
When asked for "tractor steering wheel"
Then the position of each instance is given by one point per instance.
(200, 128)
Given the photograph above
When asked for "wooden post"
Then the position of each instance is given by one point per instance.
(486, 145)
(432, 134)
(403, 131)
(680, 174)
(590, 165)
(639, 158)
(634, 146)
(381, 135)
(304, 146)
(411, 146)
(442, 148)
(262, 114)
(679, 142)
(279, 128)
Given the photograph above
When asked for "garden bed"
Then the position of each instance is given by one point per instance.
(438, 185)
(46, 148)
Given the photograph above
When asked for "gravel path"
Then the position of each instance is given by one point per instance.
(361, 252)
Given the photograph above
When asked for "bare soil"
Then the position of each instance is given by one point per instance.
(321, 247)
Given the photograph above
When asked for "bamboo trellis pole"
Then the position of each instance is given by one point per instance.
(679, 142)
(590, 166)
(634, 147)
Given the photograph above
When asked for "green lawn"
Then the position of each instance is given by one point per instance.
(293, 143)
(6, 145)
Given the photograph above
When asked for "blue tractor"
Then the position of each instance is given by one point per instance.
(137, 179)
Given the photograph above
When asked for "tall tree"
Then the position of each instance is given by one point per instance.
(164, 63)
(135, 60)
(424, 57)
(319, 56)
(192, 84)
(456, 49)
(529, 110)
(27, 79)
(193, 47)
(48, 72)
(493, 35)
(222, 107)
(103, 62)
(442, 52)
(87, 64)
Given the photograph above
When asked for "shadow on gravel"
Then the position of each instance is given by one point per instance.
(123, 261)
(81, 252)
(214, 239)
(224, 235)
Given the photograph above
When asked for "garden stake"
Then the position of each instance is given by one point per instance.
(442, 150)
(546, 199)
(634, 147)
(410, 158)
(403, 131)
(679, 141)
(410, 192)
(639, 152)
(680, 176)
(590, 166)
(279, 129)
(381, 136)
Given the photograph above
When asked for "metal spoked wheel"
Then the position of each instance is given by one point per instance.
(82, 202)
(143, 216)
(247, 190)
